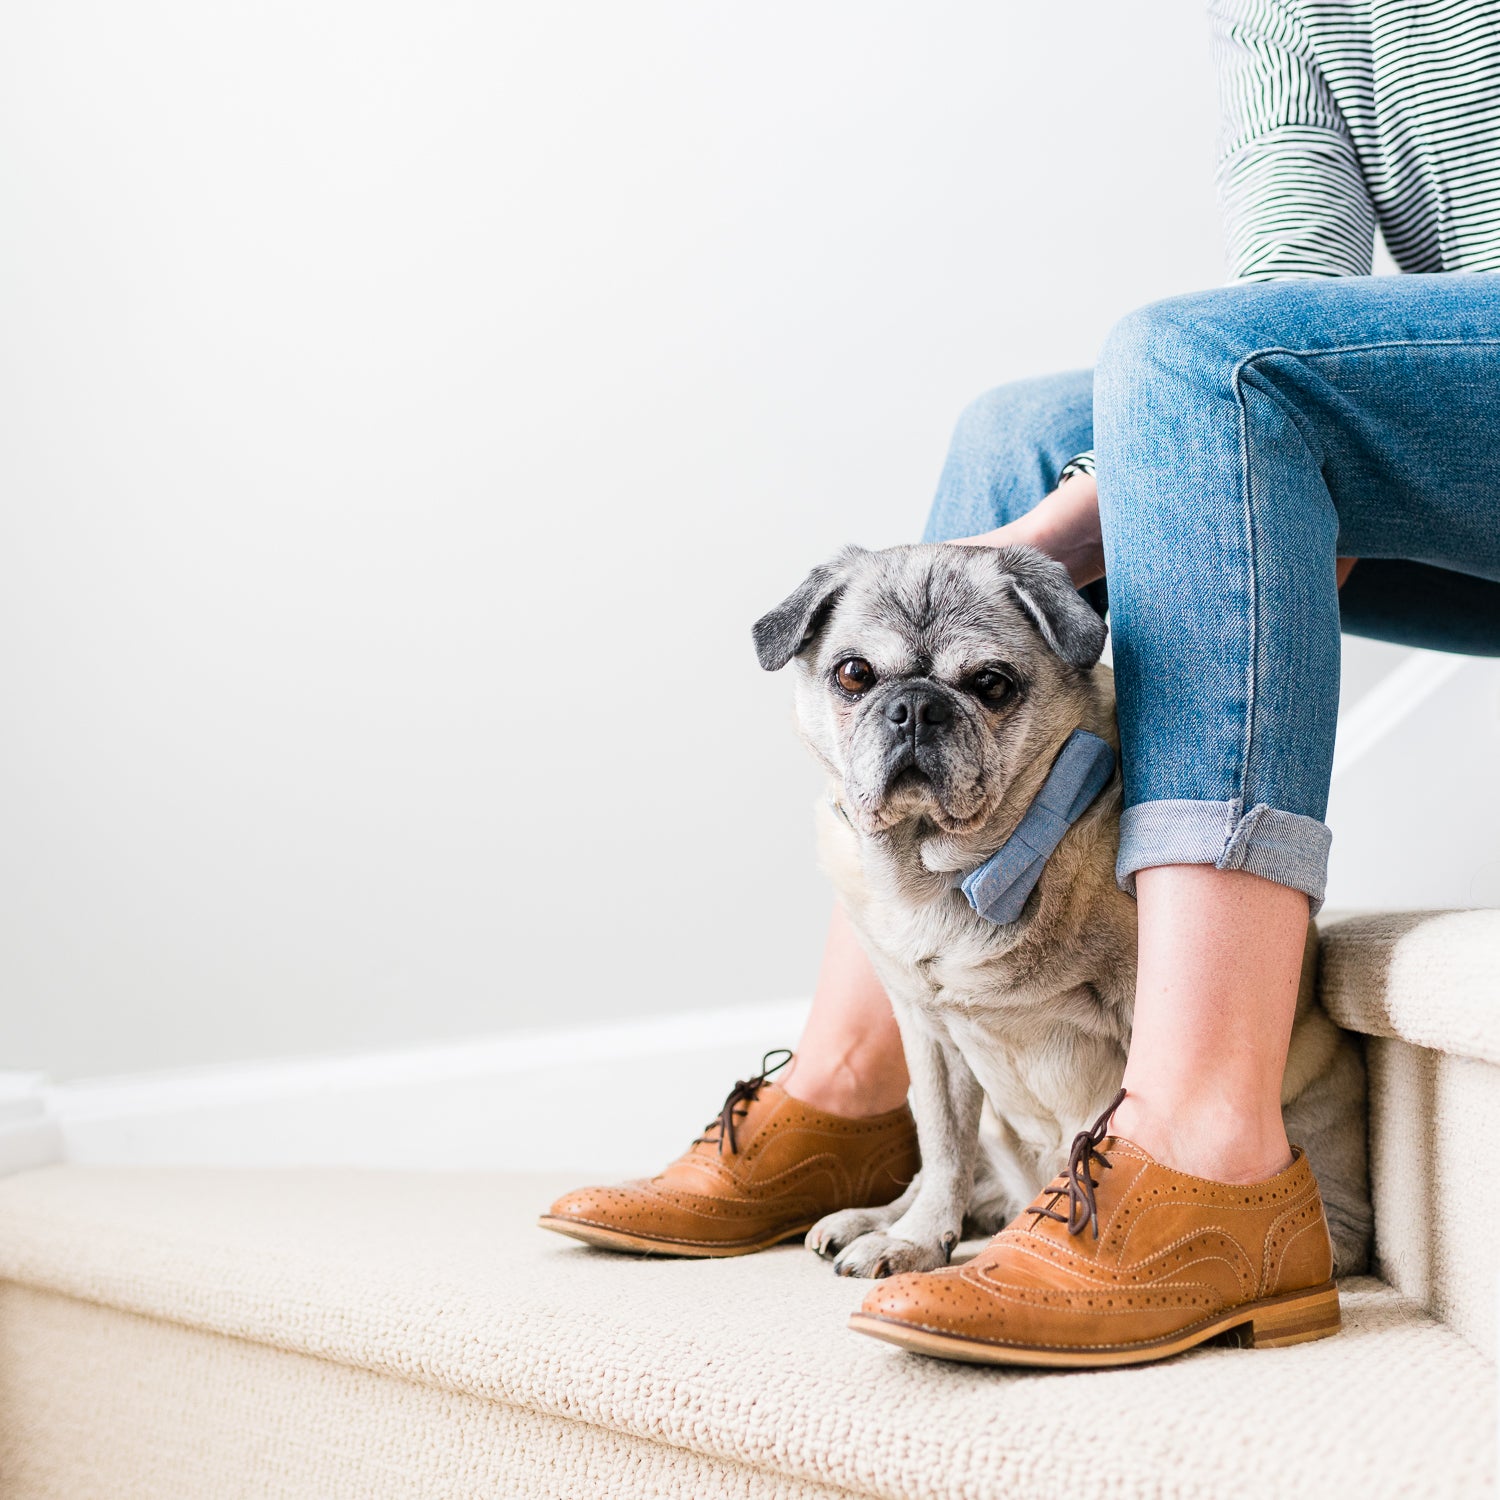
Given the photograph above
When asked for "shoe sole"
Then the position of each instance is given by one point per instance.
(603, 1238)
(1271, 1323)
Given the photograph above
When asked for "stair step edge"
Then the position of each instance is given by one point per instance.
(1428, 978)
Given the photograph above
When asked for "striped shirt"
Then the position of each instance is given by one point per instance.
(1336, 116)
(1340, 115)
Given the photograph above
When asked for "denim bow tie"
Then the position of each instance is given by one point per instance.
(998, 889)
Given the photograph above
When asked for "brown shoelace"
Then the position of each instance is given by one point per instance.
(738, 1101)
(1078, 1177)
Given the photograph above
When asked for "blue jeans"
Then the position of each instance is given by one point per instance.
(1245, 438)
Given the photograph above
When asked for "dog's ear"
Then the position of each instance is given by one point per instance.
(788, 629)
(1045, 591)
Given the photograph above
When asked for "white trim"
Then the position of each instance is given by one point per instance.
(623, 1095)
(21, 1096)
(1390, 703)
(34, 1143)
(28, 1136)
(475, 1057)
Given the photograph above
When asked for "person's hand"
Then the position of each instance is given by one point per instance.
(1065, 526)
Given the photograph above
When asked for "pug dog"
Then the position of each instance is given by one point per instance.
(937, 686)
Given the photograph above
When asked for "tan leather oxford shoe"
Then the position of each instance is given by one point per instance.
(765, 1171)
(1123, 1260)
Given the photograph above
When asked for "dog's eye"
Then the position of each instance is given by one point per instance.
(993, 685)
(855, 676)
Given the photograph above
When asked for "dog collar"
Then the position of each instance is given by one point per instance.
(998, 889)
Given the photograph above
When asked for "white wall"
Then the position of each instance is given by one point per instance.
(408, 408)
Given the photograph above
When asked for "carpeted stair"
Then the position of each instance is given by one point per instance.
(189, 1333)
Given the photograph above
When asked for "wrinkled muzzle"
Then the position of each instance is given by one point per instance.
(915, 748)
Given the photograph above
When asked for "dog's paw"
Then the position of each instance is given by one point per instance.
(834, 1231)
(876, 1255)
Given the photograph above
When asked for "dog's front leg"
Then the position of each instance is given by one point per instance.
(946, 1099)
(833, 1232)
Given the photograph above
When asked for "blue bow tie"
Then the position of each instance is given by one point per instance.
(998, 889)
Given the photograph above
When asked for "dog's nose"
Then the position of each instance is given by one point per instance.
(917, 712)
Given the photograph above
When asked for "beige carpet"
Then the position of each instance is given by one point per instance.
(1425, 986)
(1430, 978)
(438, 1345)
(184, 1413)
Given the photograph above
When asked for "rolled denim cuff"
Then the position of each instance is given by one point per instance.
(1285, 847)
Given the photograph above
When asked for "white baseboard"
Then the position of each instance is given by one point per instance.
(29, 1143)
(29, 1137)
(610, 1099)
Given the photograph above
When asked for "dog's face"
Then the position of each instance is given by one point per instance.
(929, 676)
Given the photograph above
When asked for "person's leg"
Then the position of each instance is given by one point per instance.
(1220, 953)
(1414, 604)
(1007, 450)
(849, 1059)
(1245, 439)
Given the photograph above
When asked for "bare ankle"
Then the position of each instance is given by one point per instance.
(844, 1084)
(1205, 1138)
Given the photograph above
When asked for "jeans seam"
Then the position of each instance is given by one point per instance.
(1269, 349)
(1233, 813)
(1249, 361)
(1253, 588)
